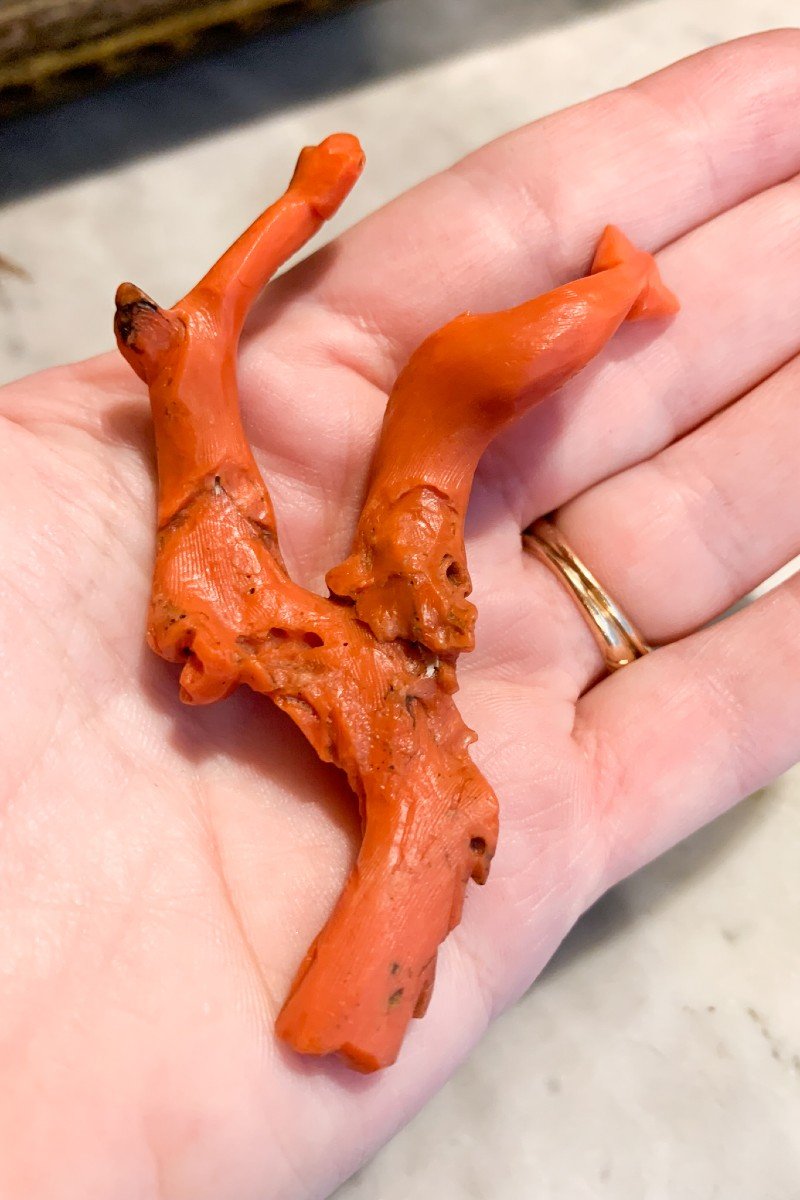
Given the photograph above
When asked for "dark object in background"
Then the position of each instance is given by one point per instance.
(54, 50)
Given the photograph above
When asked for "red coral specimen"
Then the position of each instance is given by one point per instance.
(368, 674)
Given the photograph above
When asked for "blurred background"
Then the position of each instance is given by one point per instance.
(659, 1056)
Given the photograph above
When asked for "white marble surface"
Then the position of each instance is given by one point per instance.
(659, 1056)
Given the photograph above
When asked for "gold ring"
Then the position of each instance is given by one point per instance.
(619, 640)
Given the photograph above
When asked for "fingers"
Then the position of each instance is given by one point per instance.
(523, 213)
(738, 281)
(681, 735)
(678, 539)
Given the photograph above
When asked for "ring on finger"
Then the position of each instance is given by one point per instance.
(618, 638)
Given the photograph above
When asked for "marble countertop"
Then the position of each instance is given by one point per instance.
(658, 1057)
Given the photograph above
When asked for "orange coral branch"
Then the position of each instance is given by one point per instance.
(407, 571)
(187, 355)
(367, 678)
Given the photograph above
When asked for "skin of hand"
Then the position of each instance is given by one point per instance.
(163, 869)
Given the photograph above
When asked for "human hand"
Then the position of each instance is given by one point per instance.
(162, 870)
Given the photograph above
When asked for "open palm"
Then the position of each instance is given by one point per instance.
(163, 869)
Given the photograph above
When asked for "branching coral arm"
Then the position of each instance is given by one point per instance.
(407, 572)
(322, 179)
(187, 354)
